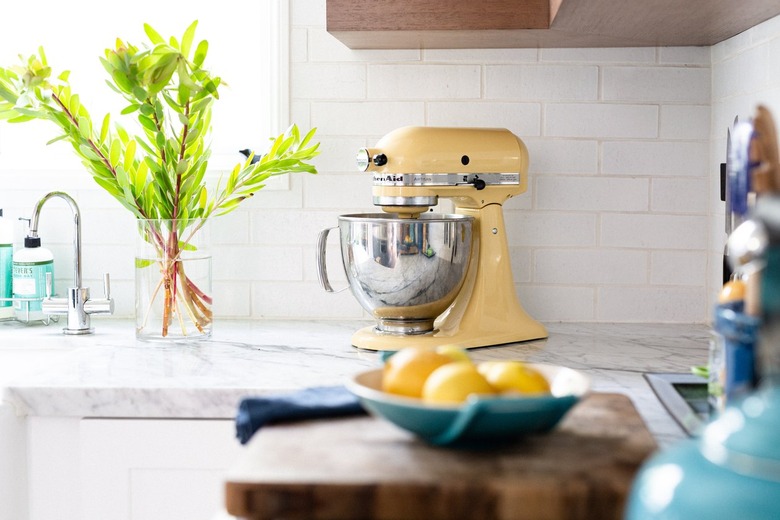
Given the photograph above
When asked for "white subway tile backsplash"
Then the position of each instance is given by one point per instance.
(773, 74)
(659, 304)
(299, 46)
(562, 156)
(306, 12)
(684, 55)
(679, 195)
(272, 263)
(551, 228)
(542, 82)
(591, 194)
(522, 264)
(337, 191)
(559, 303)
(301, 300)
(590, 267)
(117, 260)
(685, 122)
(600, 120)
(653, 231)
(522, 119)
(366, 118)
(678, 268)
(662, 158)
(657, 84)
(290, 227)
(633, 55)
(481, 55)
(428, 82)
(231, 299)
(328, 80)
(230, 229)
(741, 73)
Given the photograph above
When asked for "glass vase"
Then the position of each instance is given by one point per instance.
(173, 280)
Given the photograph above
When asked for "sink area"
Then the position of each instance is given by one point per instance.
(685, 398)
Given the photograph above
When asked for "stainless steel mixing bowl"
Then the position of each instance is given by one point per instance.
(405, 272)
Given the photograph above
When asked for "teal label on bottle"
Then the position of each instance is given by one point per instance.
(29, 281)
(6, 283)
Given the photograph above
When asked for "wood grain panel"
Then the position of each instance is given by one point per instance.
(440, 15)
(366, 468)
(386, 24)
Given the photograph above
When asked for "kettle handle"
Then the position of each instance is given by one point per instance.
(322, 270)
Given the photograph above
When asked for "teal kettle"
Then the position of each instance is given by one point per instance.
(732, 470)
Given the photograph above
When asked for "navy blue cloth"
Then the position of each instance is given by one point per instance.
(311, 403)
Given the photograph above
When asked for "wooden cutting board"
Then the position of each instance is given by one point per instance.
(368, 469)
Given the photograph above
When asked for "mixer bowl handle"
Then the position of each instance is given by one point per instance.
(322, 270)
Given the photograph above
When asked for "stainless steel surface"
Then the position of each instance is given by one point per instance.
(405, 272)
(684, 397)
(443, 179)
(746, 246)
(76, 225)
(322, 269)
(423, 202)
(77, 306)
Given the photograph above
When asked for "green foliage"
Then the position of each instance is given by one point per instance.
(159, 172)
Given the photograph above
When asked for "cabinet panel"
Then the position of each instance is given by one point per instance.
(459, 24)
(154, 469)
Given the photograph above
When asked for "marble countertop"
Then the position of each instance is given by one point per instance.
(110, 374)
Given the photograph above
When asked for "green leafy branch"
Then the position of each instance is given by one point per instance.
(158, 173)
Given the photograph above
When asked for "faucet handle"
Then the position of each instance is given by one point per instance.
(103, 305)
(107, 286)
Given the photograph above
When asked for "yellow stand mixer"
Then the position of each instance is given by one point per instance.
(478, 169)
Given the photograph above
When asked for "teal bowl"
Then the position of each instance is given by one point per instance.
(480, 418)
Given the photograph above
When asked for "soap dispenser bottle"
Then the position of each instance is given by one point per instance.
(6, 267)
(31, 266)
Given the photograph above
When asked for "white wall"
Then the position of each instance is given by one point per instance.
(615, 225)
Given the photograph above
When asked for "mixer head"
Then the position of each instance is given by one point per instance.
(413, 166)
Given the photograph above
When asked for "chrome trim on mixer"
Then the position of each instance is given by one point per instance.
(443, 179)
(381, 200)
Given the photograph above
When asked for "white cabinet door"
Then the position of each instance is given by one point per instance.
(129, 469)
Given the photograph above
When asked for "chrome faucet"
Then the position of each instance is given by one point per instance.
(78, 306)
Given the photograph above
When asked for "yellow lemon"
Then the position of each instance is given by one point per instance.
(484, 366)
(732, 291)
(454, 382)
(406, 371)
(456, 353)
(514, 376)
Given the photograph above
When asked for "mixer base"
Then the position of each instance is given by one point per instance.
(371, 339)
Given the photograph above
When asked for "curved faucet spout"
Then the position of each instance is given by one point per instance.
(76, 225)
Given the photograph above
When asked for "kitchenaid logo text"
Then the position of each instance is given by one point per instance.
(388, 178)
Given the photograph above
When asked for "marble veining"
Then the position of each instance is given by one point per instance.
(110, 374)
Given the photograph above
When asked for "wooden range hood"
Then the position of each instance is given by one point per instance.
(456, 24)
